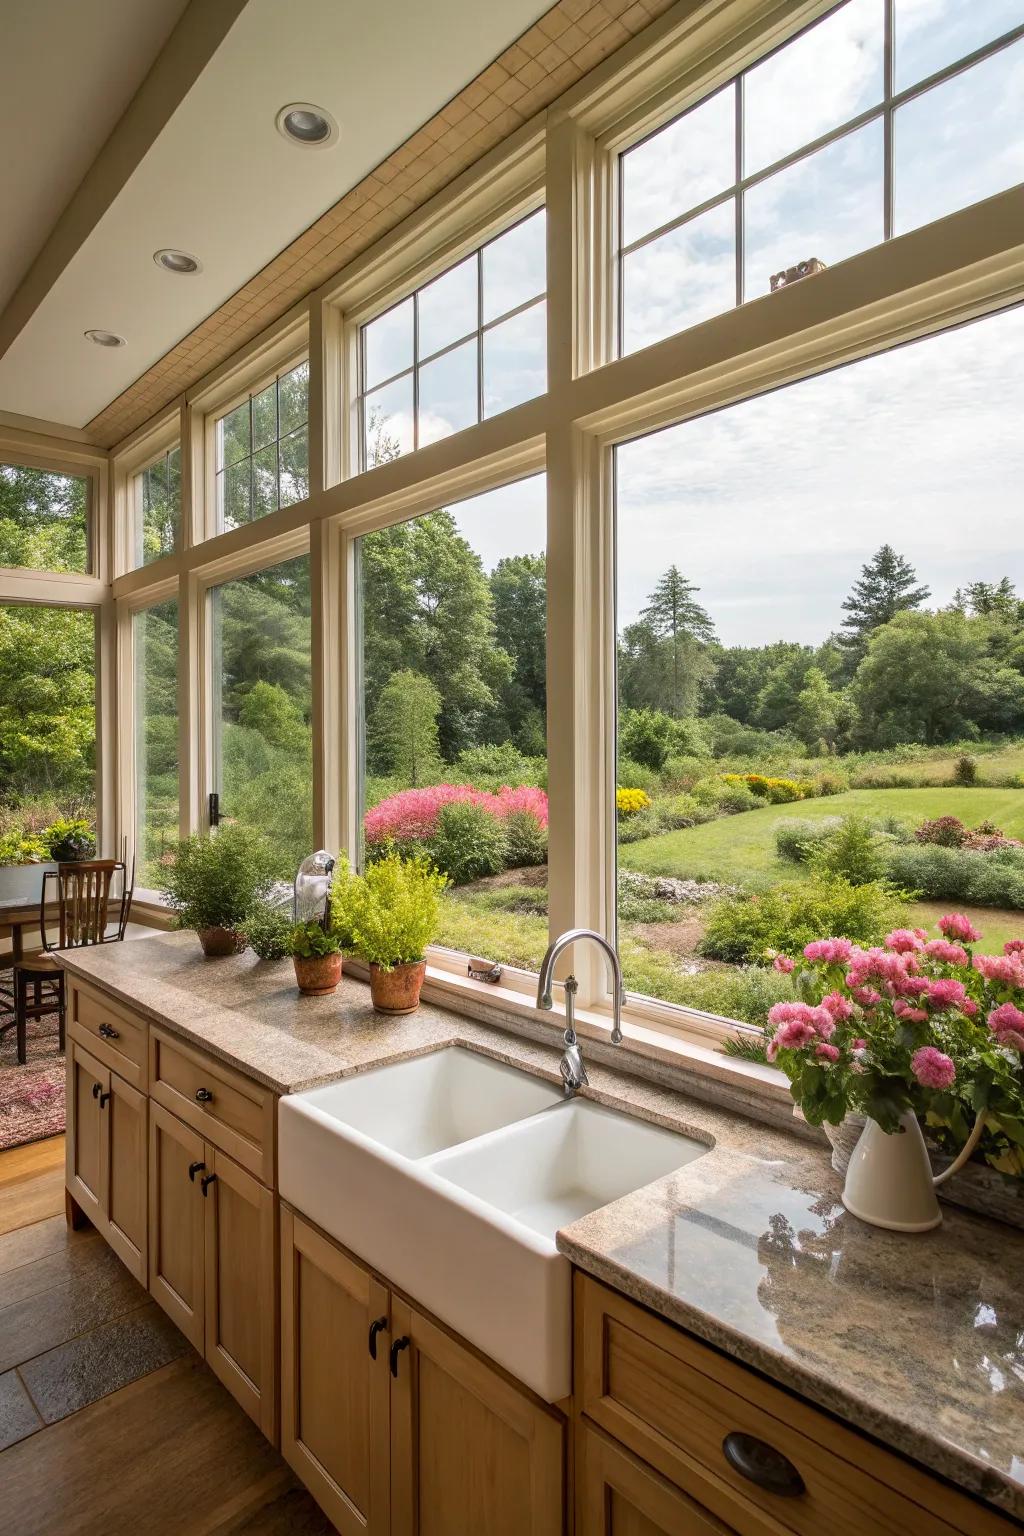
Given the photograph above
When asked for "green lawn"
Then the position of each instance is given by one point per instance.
(741, 849)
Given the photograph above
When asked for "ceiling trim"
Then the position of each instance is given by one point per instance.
(198, 34)
(552, 55)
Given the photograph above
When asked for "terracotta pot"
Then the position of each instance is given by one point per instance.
(397, 990)
(221, 941)
(317, 974)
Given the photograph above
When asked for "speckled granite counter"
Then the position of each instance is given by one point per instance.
(917, 1340)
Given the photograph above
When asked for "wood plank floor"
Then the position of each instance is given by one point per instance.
(111, 1421)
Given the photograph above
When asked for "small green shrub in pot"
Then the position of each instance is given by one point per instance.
(266, 929)
(390, 914)
(316, 955)
(216, 881)
(69, 841)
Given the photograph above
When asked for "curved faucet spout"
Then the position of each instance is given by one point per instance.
(544, 980)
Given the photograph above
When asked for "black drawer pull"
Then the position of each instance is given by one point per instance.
(763, 1465)
(379, 1325)
(396, 1350)
(193, 1169)
(205, 1182)
(109, 1032)
(204, 1096)
(97, 1089)
(103, 1100)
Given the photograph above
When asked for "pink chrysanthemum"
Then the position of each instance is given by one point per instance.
(829, 951)
(955, 926)
(838, 1006)
(945, 952)
(946, 992)
(1005, 1019)
(1014, 947)
(826, 1052)
(933, 1068)
(903, 940)
(783, 963)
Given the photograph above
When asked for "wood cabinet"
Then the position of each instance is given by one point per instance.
(616, 1495)
(106, 1154)
(212, 1260)
(424, 1424)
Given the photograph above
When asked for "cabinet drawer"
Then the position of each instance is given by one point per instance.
(231, 1111)
(674, 1401)
(115, 1036)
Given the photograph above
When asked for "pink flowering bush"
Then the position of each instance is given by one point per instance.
(410, 821)
(913, 1024)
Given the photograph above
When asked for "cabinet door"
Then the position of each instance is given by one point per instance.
(85, 1153)
(334, 1394)
(469, 1450)
(616, 1495)
(124, 1181)
(177, 1163)
(241, 1289)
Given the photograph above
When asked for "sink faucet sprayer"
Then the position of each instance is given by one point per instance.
(574, 1073)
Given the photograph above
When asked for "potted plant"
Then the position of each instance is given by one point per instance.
(215, 881)
(391, 914)
(70, 841)
(316, 955)
(914, 1029)
(266, 929)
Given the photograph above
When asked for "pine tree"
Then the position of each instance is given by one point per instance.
(673, 615)
(886, 587)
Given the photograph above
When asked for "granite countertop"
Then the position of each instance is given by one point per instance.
(917, 1340)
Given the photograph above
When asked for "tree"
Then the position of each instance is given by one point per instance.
(403, 736)
(47, 702)
(42, 519)
(990, 600)
(519, 596)
(672, 615)
(645, 736)
(885, 588)
(816, 721)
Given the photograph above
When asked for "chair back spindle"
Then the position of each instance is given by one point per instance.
(83, 900)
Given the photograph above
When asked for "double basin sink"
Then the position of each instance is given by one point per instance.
(451, 1174)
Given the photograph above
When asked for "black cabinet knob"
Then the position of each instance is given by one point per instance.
(193, 1169)
(205, 1182)
(379, 1325)
(97, 1089)
(204, 1096)
(109, 1032)
(396, 1350)
(762, 1464)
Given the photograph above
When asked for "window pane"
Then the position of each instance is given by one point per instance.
(293, 399)
(294, 467)
(820, 80)
(388, 418)
(960, 141)
(264, 417)
(388, 344)
(158, 492)
(263, 753)
(44, 519)
(682, 166)
(804, 596)
(233, 436)
(448, 393)
(515, 266)
(454, 645)
(515, 354)
(264, 481)
(47, 728)
(828, 205)
(929, 34)
(680, 279)
(448, 307)
(155, 633)
(236, 494)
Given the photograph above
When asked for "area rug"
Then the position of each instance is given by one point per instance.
(32, 1096)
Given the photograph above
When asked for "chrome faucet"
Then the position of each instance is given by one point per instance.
(574, 1073)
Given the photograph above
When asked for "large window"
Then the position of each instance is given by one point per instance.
(47, 725)
(157, 507)
(467, 345)
(844, 136)
(44, 519)
(821, 668)
(155, 646)
(262, 760)
(453, 656)
(263, 451)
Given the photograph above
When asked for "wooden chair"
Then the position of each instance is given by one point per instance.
(83, 898)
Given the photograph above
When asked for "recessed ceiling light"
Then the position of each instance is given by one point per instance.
(106, 338)
(177, 261)
(305, 124)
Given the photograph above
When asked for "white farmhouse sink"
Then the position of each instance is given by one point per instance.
(450, 1175)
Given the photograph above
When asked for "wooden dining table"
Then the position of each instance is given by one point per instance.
(20, 915)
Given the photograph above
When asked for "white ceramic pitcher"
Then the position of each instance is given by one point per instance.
(889, 1181)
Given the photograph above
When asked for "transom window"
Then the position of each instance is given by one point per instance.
(44, 519)
(263, 451)
(158, 507)
(465, 346)
(857, 129)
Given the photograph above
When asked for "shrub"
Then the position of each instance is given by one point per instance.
(468, 842)
(796, 840)
(635, 828)
(645, 735)
(673, 812)
(411, 817)
(19, 848)
(775, 791)
(789, 915)
(216, 881)
(681, 773)
(959, 874)
(831, 784)
(266, 929)
(629, 802)
(70, 840)
(745, 994)
(490, 766)
(965, 770)
(526, 841)
(633, 775)
(392, 912)
(730, 794)
(633, 908)
(945, 831)
(852, 850)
